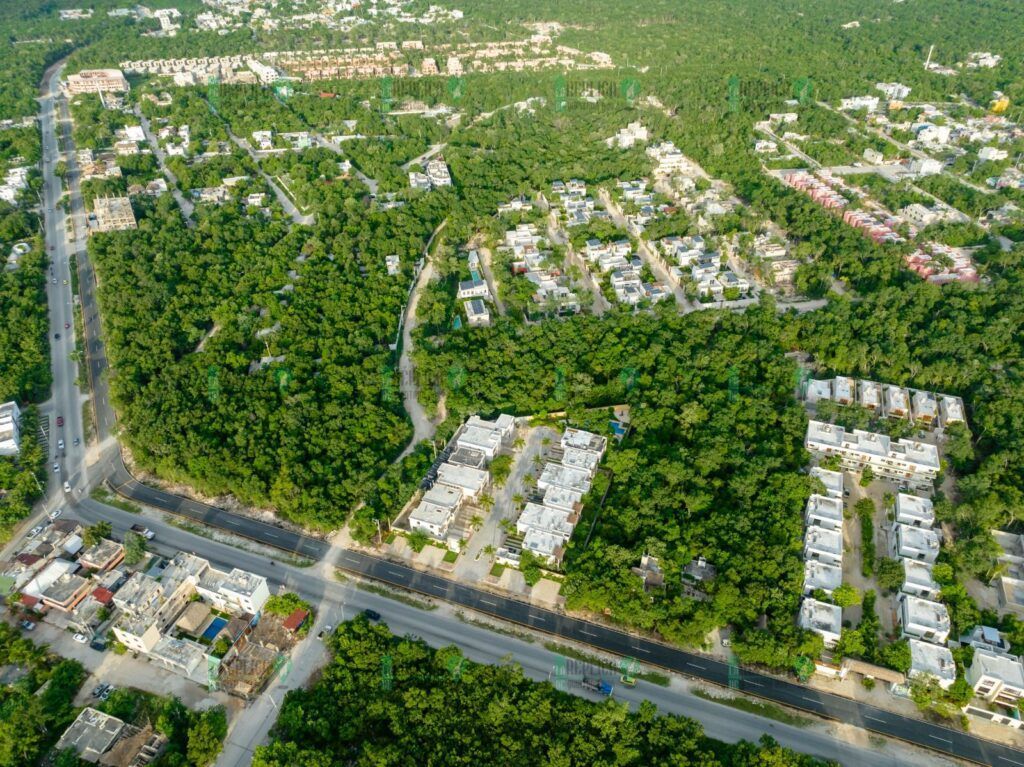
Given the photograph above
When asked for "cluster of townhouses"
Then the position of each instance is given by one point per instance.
(547, 522)
(926, 408)
(689, 257)
(633, 134)
(551, 286)
(940, 263)
(878, 226)
(823, 557)
(458, 477)
(577, 206)
(435, 175)
(819, 191)
(10, 429)
(638, 203)
(904, 460)
(669, 161)
(616, 260)
(774, 262)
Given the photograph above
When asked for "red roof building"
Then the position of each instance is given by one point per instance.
(295, 620)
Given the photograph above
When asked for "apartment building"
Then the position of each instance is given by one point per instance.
(927, 659)
(824, 511)
(914, 511)
(10, 429)
(902, 459)
(821, 575)
(916, 543)
(996, 677)
(824, 544)
(832, 480)
(236, 591)
(97, 81)
(918, 580)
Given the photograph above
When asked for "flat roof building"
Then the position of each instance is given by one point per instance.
(91, 735)
(822, 618)
(436, 510)
(824, 511)
(914, 511)
(918, 580)
(925, 406)
(823, 544)
(470, 480)
(97, 81)
(916, 543)
(832, 480)
(103, 555)
(820, 575)
(923, 619)
(951, 409)
(486, 437)
(584, 440)
(904, 459)
(870, 395)
(557, 522)
(932, 659)
(237, 591)
(10, 429)
(558, 475)
(996, 677)
(111, 214)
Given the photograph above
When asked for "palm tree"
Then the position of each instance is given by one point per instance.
(476, 521)
(518, 499)
(486, 502)
(518, 443)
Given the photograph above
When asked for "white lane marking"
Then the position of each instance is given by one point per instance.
(755, 684)
(697, 665)
(936, 737)
(810, 700)
(588, 633)
(875, 719)
(393, 573)
(644, 649)
(488, 602)
(1011, 761)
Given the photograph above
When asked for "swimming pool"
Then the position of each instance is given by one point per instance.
(214, 628)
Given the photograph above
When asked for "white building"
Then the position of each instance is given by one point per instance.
(486, 437)
(869, 103)
(10, 429)
(824, 511)
(923, 619)
(436, 510)
(916, 543)
(894, 91)
(918, 580)
(822, 618)
(832, 480)
(927, 659)
(557, 475)
(914, 511)
(470, 480)
(474, 288)
(904, 459)
(819, 575)
(97, 81)
(437, 172)
(823, 544)
(237, 591)
(477, 314)
(996, 677)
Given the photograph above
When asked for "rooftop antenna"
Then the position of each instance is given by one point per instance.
(929, 61)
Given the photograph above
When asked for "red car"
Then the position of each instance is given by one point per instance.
(60, 420)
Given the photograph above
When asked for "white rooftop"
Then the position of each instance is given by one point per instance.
(825, 508)
(819, 575)
(919, 538)
(556, 521)
(911, 509)
(918, 573)
(557, 475)
(562, 498)
(469, 479)
(1006, 668)
(584, 440)
(444, 496)
(584, 460)
(821, 616)
(928, 658)
(832, 480)
(824, 540)
(924, 612)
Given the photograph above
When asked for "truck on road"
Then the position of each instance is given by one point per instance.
(145, 532)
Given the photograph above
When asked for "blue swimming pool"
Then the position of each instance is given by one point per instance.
(214, 628)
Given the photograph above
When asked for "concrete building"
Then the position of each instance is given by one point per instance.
(897, 401)
(486, 437)
(918, 580)
(823, 544)
(870, 394)
(477, 314)
(111, 214)
(925, 407)
(927, 659)
(558, 475)
(470, 480)
(914, 511)
(10, 429)
(996, 677)
(819, 575)
(923, 619)
(436, 510)
(903, 459)
(97, 81)
(237, 591)
(832, 480)
(915, 543)
(822, 618)
(104, 555)
(951, 409)
(584, 440)
(824, 511)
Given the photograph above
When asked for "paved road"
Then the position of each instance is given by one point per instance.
(611, 640)
(423, 427)
(282, 198)
(336, 600)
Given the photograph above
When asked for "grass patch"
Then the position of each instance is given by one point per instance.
(654, 677)
(510, 632)
(450, 556)
(103, 495)
(865, 509)
(229, 540)
(88, 430)
(497, 569)
(405, 599)
(767, 710)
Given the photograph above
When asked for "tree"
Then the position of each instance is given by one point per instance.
(846, 595)
(417, 540)
(96, 533)
(206, 735)
(890, 574)
(500, 469)
(867, 476)
(134, 548)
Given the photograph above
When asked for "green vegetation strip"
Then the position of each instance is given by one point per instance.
(510, 632)
(757, 708)
(103, 495)
(405, 599)
(654, 677)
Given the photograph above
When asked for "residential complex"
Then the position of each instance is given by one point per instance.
(924, 407)
(894, 459)
(10, 429)
(97, 81)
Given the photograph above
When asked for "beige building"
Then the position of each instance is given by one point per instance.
(111, 214)
(97, 81)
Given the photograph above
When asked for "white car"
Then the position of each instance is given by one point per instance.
(67, 487)
(56, 467)
(55, 514)
(60, 444)
(35, 531)
(81, 638)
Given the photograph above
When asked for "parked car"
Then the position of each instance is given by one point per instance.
(76, 442)
(27, 625)
(97, 690)
(60, 420)
(373, 615)
(106, 693)
(81, 638)
(67, 487)
(55, 513)
(98, 645)
(35, 531)
(56, 467)
(60, 444)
